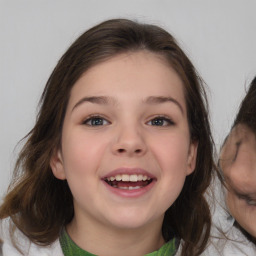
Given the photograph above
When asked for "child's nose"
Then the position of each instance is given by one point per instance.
(129, 141)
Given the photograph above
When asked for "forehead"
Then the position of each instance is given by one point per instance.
(141, 72)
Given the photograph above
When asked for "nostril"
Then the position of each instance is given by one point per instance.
(121, 150)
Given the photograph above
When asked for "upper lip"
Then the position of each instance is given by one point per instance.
(129, 171)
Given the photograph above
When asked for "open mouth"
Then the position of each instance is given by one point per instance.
(128, 182)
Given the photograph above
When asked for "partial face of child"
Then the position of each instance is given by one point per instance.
(126, 147)
(238, 162)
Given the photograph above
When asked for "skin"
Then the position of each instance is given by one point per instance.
(137, 129)
(238, 162)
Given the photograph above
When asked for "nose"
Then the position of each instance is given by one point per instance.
(129, 141)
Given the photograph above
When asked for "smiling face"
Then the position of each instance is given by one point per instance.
(126, 147)
(238, 162)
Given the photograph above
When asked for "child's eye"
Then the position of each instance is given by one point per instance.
(96, 121)
(251, 202)
(160, 121)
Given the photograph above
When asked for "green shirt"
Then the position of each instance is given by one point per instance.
(69, 248)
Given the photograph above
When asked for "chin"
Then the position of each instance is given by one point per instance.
(130, 220)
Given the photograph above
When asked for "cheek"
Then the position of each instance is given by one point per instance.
(172, 156)
(172, 153)
(244, 214)
(250, 225)
(232, 203)
(82, 154)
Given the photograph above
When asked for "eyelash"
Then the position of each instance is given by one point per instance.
(249, 201)
(164, 119)
(161, 121)
(96, 118)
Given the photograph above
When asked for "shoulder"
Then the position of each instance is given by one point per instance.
(25, 245)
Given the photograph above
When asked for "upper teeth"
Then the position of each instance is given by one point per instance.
(127, 177)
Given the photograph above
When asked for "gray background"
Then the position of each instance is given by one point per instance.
(218, 35)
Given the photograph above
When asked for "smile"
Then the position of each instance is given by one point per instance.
(128, 182)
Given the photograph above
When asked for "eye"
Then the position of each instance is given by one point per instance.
(96, 121)
(251, 202)
(160, 121)
(248, 200)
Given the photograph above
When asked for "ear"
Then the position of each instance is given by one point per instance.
(192, 154)
(57, 165)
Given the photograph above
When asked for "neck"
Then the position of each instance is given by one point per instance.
(104, 240)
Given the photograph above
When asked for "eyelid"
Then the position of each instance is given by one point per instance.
(163, 117)
(95, 116)
(247, 199)
(251, 202)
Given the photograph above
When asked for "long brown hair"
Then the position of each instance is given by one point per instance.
(39, 204)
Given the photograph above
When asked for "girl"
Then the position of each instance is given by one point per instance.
(238, 166)
(121, 152)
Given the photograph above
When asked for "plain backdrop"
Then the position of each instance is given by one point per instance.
(219, 36)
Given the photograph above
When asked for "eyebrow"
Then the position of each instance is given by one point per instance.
(163, 99)
(104, 100)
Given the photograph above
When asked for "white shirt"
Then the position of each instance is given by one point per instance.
(28, 248)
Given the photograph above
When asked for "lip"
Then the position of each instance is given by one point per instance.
(129, 193)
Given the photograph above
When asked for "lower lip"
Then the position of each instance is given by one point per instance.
(130, 193)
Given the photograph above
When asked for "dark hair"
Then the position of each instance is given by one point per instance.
(247, 116)
(35, 200)
(247, 110)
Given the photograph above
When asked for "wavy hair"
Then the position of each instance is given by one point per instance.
(40, 205)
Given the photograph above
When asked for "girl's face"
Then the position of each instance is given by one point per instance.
(126, 147)
(238, 162)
